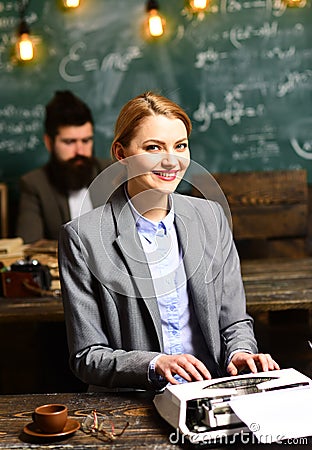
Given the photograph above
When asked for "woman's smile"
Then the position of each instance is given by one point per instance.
(168, 175)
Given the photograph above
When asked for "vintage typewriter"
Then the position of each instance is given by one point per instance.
(200, 411)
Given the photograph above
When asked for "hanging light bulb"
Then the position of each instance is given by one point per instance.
(25, 47)
(155, 22)
(71, 3)
(296, 3)
(199, 5)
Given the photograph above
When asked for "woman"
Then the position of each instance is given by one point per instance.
(151, 281)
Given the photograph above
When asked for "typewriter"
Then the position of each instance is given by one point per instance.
(200, 410)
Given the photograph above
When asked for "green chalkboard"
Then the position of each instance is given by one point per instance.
(243, 72)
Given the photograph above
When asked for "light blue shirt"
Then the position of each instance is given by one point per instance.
(160, 244)
(180, 328)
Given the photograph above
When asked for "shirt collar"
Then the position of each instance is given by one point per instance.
(148, 228)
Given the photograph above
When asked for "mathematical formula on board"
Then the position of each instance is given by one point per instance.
(236, 34)
(237, 70)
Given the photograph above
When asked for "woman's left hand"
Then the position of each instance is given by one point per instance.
(260, 362)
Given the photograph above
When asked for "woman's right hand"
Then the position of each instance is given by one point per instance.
(186, 366)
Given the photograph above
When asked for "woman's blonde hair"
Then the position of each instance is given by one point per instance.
(140, 107)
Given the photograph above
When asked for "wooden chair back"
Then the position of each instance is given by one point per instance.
(265, 205)
(3, 211)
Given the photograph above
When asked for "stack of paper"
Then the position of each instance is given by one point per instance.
(276, 416)
(11, 250)
(9, 246)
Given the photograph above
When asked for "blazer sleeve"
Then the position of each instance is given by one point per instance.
(94, 357)
(30, 224)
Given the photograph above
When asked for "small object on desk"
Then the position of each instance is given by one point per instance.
(50, 418)
(70, 427)
(8, 246)
(11, 249)
(25, 278)
(101, 427)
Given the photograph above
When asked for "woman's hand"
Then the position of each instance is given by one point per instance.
(186, 366)
(259, 362)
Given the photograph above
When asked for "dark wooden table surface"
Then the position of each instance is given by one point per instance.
(38, 309)
(278, 284)
(270, 284)
(146, 430)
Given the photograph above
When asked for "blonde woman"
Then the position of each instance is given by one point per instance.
(151, 280)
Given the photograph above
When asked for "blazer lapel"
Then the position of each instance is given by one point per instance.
(129, 244)
(63, 206)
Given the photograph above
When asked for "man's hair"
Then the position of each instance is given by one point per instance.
(65, 109)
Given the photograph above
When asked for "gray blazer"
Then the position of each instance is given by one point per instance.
(112, 317)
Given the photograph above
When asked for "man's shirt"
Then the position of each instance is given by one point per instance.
(79, 201)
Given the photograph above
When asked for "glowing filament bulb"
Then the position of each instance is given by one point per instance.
(294, 3)
(71, 3)
(199, 5)
(155, 23)
(25, 48)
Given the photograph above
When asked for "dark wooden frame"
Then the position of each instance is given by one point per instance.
(269, 210)
(4, 210)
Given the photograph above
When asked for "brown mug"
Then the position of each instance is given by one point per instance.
(50, 418)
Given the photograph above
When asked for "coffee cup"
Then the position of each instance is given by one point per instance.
(50, 418)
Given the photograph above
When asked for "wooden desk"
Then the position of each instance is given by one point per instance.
(35, 309)
(270, 284)
(146, 430)
(278, 284)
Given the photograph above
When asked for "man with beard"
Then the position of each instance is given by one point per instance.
(53, 194)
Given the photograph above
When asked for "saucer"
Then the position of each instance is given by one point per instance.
(70, 427)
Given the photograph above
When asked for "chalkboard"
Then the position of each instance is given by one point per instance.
(242, 71)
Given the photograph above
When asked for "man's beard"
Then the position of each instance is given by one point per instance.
(73, 174)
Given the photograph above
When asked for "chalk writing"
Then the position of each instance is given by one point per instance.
(21, 127)
(10, 111)
(256, 144)
(113, 61)
(5, 42)
(7, 22)
(73, 55)
(239, 69)
(232, 114)
(9, 6)
(230, 6)
(209, 56)
(255, 136)
(278, 53)
(12, 146)
(293, 79)
(120, 62)
(190, 14)
(238, 34)
(276, 7)
(8, 27)
(261, 150)
(304, 150)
